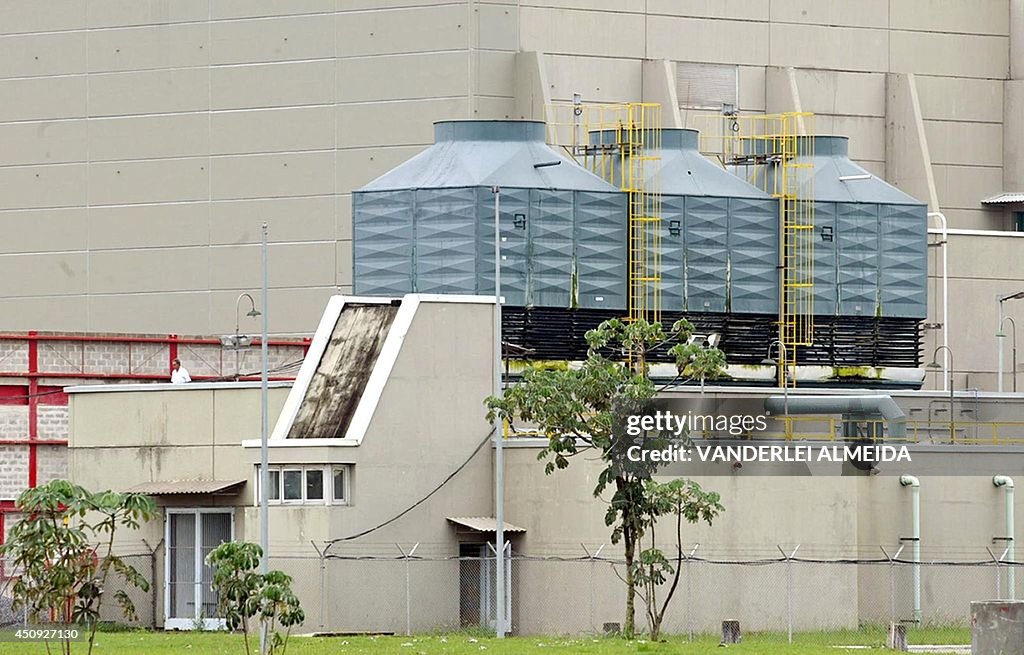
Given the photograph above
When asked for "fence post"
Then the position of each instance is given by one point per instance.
(789, 589)
(892, 581)
(323, 579)
(408, 589)
(152, 575)
(593, 566)
(689, 596)
(999, 574)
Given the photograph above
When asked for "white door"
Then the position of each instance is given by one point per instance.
(189, 600)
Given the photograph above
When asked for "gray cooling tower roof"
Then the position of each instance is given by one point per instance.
(683, 170)
(686, 172)
(489, 153)
(832, 162)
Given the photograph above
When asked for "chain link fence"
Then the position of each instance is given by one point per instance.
(785, 598)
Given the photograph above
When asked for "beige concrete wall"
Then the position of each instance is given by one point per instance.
(175, 433)
(169, 433)
(982, 268)
(147, 145)
(416, 414)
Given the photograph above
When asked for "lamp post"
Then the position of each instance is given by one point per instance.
(1013, 345)
(239, 340)
(264, 422)
(934, 364)
(999, 343)
(499, 454)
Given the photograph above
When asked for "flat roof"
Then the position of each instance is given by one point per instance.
(167, 386)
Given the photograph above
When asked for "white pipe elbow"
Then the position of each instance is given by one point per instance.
(1002, 481)
(909, 481)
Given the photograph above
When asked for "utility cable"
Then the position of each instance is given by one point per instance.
(421, 500)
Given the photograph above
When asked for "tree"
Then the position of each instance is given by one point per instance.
(684, 499)
(243, 594)
(63, 553)
(581, 409)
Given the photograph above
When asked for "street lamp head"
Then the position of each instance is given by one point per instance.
(769, 362)
(1000, 335)
(933, 365)
(254, 312)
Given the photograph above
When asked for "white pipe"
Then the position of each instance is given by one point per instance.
(915, 518)
(999, 349)
(943, 226)
(1006, 483)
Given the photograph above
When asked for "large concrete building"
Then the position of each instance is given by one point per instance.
(144, 143)
(365, 456)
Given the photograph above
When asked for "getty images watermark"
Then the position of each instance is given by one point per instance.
(716, 436)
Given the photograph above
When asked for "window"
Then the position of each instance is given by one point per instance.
(274, 485)
(314, 484)
(293, 484)
(338, 484)
(311, 485)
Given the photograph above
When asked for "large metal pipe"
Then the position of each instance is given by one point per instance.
(1006, 483)
(915, 536)
(880, 405)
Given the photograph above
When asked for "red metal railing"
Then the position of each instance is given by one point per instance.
(34, 394)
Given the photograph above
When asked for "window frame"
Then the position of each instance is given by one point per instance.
(346, 485)
(327, 472)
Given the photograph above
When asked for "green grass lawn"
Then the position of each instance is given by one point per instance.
(160, 643)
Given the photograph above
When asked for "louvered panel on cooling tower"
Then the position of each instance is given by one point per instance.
(706, 228)
(601, 245)
(825, 301)
(445, 241)
(514, 208)
(671, 251)
(383, 243)
(857, 263)
(551, 248)
(904, 260)
(754, 255)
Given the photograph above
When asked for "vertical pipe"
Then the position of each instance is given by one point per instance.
(499, 455)
(408, 599)
(33, 407)
(1007, 484)
(915, 537)
(323, 589)
(264, 422)
(172, 349)
(941, 218)
(999, 349)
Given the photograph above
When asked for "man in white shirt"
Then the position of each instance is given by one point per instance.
(179, 374)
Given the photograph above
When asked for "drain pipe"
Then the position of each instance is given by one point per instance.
(1006, 483)
(915, 537)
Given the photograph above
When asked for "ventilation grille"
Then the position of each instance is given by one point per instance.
(706, 86)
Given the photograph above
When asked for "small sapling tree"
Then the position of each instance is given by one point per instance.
(682, 499)
(62, 553)
(582, 409)
(244, 594)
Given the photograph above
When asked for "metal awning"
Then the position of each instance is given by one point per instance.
(187, 487)
(1004, 198)
(483, 524)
